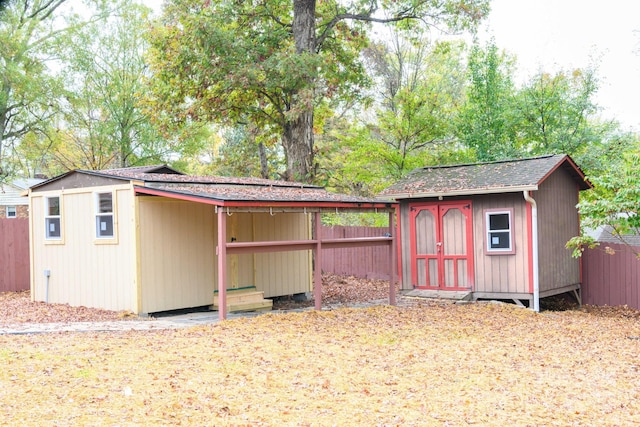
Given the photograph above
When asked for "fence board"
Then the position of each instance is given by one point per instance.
(365, 262)
(611, 279)
(14, 254)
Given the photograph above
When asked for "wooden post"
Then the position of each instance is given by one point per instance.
(393, 253)
(222, 264)
(317, 265)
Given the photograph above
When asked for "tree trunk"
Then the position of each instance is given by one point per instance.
(264, 165)
(298, 134)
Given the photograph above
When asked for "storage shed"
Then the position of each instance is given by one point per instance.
(491, 230)
(152, 239)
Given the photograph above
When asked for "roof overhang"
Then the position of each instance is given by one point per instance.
(454, 193)
(271, 206)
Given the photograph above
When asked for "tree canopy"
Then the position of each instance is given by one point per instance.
(271, 64)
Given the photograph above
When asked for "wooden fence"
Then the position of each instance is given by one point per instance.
(14, 254)
(611, 279)
(367, 262)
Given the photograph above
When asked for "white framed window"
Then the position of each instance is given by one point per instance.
(52, 218)
(499, 231)
(104, 215)
(11, 212)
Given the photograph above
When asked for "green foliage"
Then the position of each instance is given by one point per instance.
(28, 92)
(486, 122)
(104, 72)
(262, 62)
(370, 219)
(419, 87)
(614, 202)
(554, 112)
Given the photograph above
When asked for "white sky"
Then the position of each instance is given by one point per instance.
(565, 34)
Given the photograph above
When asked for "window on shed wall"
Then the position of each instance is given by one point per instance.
(104, 215)
(499, 231)
(11, 212)
(52, 218)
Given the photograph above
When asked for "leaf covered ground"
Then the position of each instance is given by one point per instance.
(413, 365)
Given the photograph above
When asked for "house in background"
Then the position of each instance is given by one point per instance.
(13, 204)
(491, 230)
(151, 239)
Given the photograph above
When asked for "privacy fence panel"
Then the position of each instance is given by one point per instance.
(14, 254)
(611, 279)
(366, 262)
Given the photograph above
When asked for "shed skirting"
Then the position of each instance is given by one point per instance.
(519, 297)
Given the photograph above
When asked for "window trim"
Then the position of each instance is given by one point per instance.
(15, 212)
(57, 240)
(113, 239)
(487, 233)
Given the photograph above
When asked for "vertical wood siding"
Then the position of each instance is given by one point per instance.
(557, 223)
(14, 254)
(501, 273)
(611, 279)
(177, 254)
(84, 272)
(366, 262)
(282, 273)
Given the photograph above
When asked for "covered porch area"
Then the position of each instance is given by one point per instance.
(228, 247)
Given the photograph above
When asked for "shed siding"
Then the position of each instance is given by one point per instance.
(501, 273)
(557, 223)
(405, 247)
(177, 254)
(178, 259)
(84, 272)
(282, 273)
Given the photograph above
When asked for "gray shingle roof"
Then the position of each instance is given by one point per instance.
(256, 191)
(482, 178)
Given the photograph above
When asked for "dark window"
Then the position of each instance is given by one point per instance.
(499, 232)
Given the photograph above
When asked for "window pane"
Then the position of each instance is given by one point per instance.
(499, 221)
(53, 227)
(104, 226)
(53, 206)
(11, 211)
(105, 203)
(499, 240)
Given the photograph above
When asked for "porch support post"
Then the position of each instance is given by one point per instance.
(317, 263)
(221, 251)
(393, 253)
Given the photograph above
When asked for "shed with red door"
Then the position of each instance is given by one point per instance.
(494, 230)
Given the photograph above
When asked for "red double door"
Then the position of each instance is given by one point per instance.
(442, 245)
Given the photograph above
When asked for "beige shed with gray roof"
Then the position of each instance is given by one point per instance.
(490, 230)
(152, 239)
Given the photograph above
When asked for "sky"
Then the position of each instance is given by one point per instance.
(555, 35)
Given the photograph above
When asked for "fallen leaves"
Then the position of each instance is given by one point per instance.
(17, 307)
(438, 364)
(414, 365)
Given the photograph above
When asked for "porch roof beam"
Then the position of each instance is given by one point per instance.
(301, 245)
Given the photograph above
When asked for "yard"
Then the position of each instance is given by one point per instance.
(414, 365)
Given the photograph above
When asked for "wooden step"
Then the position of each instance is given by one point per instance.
(244, 299)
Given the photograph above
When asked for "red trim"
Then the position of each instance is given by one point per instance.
(261, 203)
(438, 210)
(530, 245)
(399, 245)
